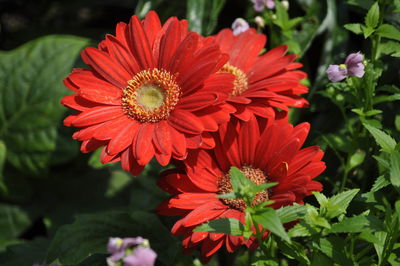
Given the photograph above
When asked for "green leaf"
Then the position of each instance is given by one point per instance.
(203, 15)
(356, 159)
(27, 253)
(354, 27)
(387, 98)
(386, 142)
(365, 4)
(293, 250)
(321, 198)
(367, 31)
(372, 18)
(282, 17)
(379, 183)
(90, 233)
(357, 224)
(269, 220)
(30, 90)
(330, 247)
(228, 226)
(144, 6)
(3, 152)
(291, 213)
(301, 229)
(338, 203)
(397, 122)
(13, 221)
(388, 31)
(94, 160)
(395, 169)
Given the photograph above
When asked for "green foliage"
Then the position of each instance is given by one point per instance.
(203, 15)
(91, 233)
(229, 226)
(355, 220)
(30, 90)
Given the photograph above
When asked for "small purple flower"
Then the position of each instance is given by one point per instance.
(141, 256)
(239, 25)
(259, 5)
(336, 72)
(131, 251)
(353, 66)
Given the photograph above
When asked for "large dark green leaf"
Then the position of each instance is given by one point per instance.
(23, 254)
(30, 92)
(13, 220)
(89, 235)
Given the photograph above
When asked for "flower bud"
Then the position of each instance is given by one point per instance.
(260, 22)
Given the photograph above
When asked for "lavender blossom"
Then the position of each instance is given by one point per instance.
(259, 5)
(336, 72)
(141, 256)
(130, 251)
(353, 66)
(239, 25)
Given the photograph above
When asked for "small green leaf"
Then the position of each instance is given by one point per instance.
(3, 150)
(94, 160)
(397, 122)
(367, 31)
(338, 204)
(322, 200)
(282, 17)
(291, 213)
(354, 27)
(356, 159)
(372, 18)
(388, 31)
(269, 220)
(395, 168)
(293, 250)
(301, 229)
(386, 142)
(379, 183)
(329, 246)
(228, 226)
(357, 224)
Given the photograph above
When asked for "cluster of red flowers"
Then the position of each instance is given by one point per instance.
(208, 103)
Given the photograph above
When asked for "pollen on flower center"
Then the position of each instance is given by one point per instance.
(255, 175)
(240, 84)
(151, 95)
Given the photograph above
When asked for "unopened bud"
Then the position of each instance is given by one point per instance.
(285, 4)
(259, 21)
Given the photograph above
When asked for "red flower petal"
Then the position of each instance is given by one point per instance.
(107, 68)
(97, 115)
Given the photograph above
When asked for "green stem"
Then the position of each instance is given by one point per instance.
(259, 237)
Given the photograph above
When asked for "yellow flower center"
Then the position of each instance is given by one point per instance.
(240, 84)
(151, 95)
(256, 175)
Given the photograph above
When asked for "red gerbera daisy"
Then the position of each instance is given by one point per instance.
(151, 90)
(264, 153)
(262, 82)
